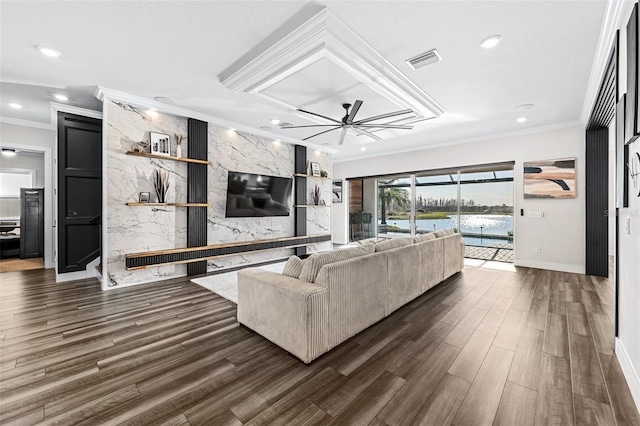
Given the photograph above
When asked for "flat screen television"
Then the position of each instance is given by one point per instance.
(251, 195)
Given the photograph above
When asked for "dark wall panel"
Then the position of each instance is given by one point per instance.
(198, 138)
(597, 196)
(633, 74)
(300, 195)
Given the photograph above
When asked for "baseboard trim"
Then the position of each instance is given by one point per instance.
(562, 267)
(630, 373)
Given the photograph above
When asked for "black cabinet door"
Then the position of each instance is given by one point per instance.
(79, 191)
(31, 223)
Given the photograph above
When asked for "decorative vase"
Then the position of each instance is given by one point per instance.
(179, 151)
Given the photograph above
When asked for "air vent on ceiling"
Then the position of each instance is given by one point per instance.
(424, 59)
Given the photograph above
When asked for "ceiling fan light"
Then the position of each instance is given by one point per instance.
(15, 105)
(521, 119)
(364, 148)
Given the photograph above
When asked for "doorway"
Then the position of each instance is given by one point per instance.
(22, 209)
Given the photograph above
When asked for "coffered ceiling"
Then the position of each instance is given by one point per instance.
(250, 62)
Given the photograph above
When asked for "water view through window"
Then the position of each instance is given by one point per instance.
(478, 203)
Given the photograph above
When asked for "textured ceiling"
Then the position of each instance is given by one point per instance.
(178, 49)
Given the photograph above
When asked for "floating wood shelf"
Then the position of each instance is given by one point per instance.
(135, 261)
(169, 204)
(311, 176)
(304, 206)
(165, 157)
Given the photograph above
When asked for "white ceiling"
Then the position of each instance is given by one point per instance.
(178, 49)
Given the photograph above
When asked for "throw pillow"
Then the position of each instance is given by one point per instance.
(293, 267)
(316, 261)
(393, 243)
(443, 232)
(424, 237)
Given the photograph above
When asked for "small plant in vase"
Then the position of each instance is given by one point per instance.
(161, 185)
(179, 139)
(315, 195)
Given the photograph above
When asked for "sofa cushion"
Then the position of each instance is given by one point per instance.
(424, 237)
(316, 261)
(443, 232)
(393, 243)
(293, 267)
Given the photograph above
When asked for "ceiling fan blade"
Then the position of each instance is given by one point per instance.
(312, 125)
(385, 126)
(323, 116)
(318, 134)
(354, 111)
(381, 116)
(342, 136)
(366, 133)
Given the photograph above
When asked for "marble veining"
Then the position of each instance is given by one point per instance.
(140, 229)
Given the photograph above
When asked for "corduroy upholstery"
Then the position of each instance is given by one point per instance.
(432, 257)
(293, 267)
(451, 256)
(443, 232)
(404, 276)
(287, 311)
(313, 263)
(393, 243)
(349, 295)
(424, 237)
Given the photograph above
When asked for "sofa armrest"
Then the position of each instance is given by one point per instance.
(453, 254)
(289, 312)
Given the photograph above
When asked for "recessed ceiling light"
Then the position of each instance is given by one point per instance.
(521, 119)
(275, 121)
(61, 97)
(48, 51)
(523, 107)
(15, 105)
(164, 100)
(491, 41)
(7, 152)
(364, 148)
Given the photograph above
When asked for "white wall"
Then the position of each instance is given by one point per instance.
(560, 234)
(37, 140)
(628, 339)
(27, 160)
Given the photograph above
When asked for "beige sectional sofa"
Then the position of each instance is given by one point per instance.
(320, 302)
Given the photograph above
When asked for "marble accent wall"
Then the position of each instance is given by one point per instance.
(132, 229)
(239, 152)
(140, 229)
(319, 218)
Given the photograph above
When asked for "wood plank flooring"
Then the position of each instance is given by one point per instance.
(488, 346)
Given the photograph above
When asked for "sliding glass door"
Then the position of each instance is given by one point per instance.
(395, 206)
(475, 201)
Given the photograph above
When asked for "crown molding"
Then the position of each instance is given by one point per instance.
(55, 107)
(103, 93)
(612, 21)
(325, 37)
(26, 123)
(494, 136)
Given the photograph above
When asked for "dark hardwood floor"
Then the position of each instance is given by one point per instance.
(488, 346)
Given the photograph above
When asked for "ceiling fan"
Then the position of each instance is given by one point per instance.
(362, 127)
